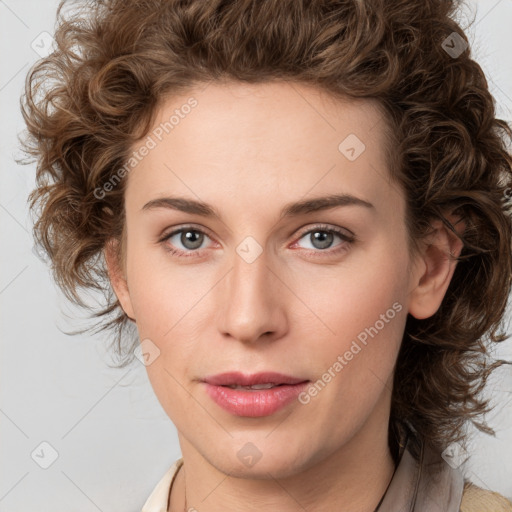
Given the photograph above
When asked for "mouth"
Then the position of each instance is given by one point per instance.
(260, 394)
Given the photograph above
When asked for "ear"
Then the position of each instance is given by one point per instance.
(117, 277)
(434, 267)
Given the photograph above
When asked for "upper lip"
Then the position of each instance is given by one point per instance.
(234, 378)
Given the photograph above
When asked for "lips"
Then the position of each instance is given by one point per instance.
(260, 394)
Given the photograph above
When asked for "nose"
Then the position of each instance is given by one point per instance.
(252, 302)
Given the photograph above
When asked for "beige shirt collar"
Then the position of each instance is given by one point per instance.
(427, 485)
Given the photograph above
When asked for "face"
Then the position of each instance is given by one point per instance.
(318, 292)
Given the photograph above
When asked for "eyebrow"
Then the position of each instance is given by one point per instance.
(290, 210)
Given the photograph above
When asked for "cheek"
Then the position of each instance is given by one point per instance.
(160, 293)
(362, 312)
(170, 304)
(353, 367)
(351, 297)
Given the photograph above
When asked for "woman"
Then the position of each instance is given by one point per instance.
(303, 209)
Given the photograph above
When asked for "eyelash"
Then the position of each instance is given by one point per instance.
(350, 239)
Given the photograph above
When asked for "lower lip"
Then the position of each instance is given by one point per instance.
(257, 403)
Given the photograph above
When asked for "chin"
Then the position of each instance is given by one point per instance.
(262, 463)
(262, 470)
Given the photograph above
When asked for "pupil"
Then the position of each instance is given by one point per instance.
(321, 239)
(187, 239)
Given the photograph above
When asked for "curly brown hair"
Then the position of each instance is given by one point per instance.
(86, 104)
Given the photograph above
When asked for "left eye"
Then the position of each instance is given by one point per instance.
(323, 238)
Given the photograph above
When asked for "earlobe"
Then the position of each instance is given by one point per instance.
(433, 276)
(117, 277)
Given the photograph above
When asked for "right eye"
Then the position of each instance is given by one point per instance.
(191, 240)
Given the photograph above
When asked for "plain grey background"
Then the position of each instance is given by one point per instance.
(109, 436)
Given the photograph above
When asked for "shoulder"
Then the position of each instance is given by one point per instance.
(476, 499)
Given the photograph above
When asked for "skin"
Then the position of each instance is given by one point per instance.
(249, 150)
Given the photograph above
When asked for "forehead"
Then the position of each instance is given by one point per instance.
(272, 112)
(271, 139)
